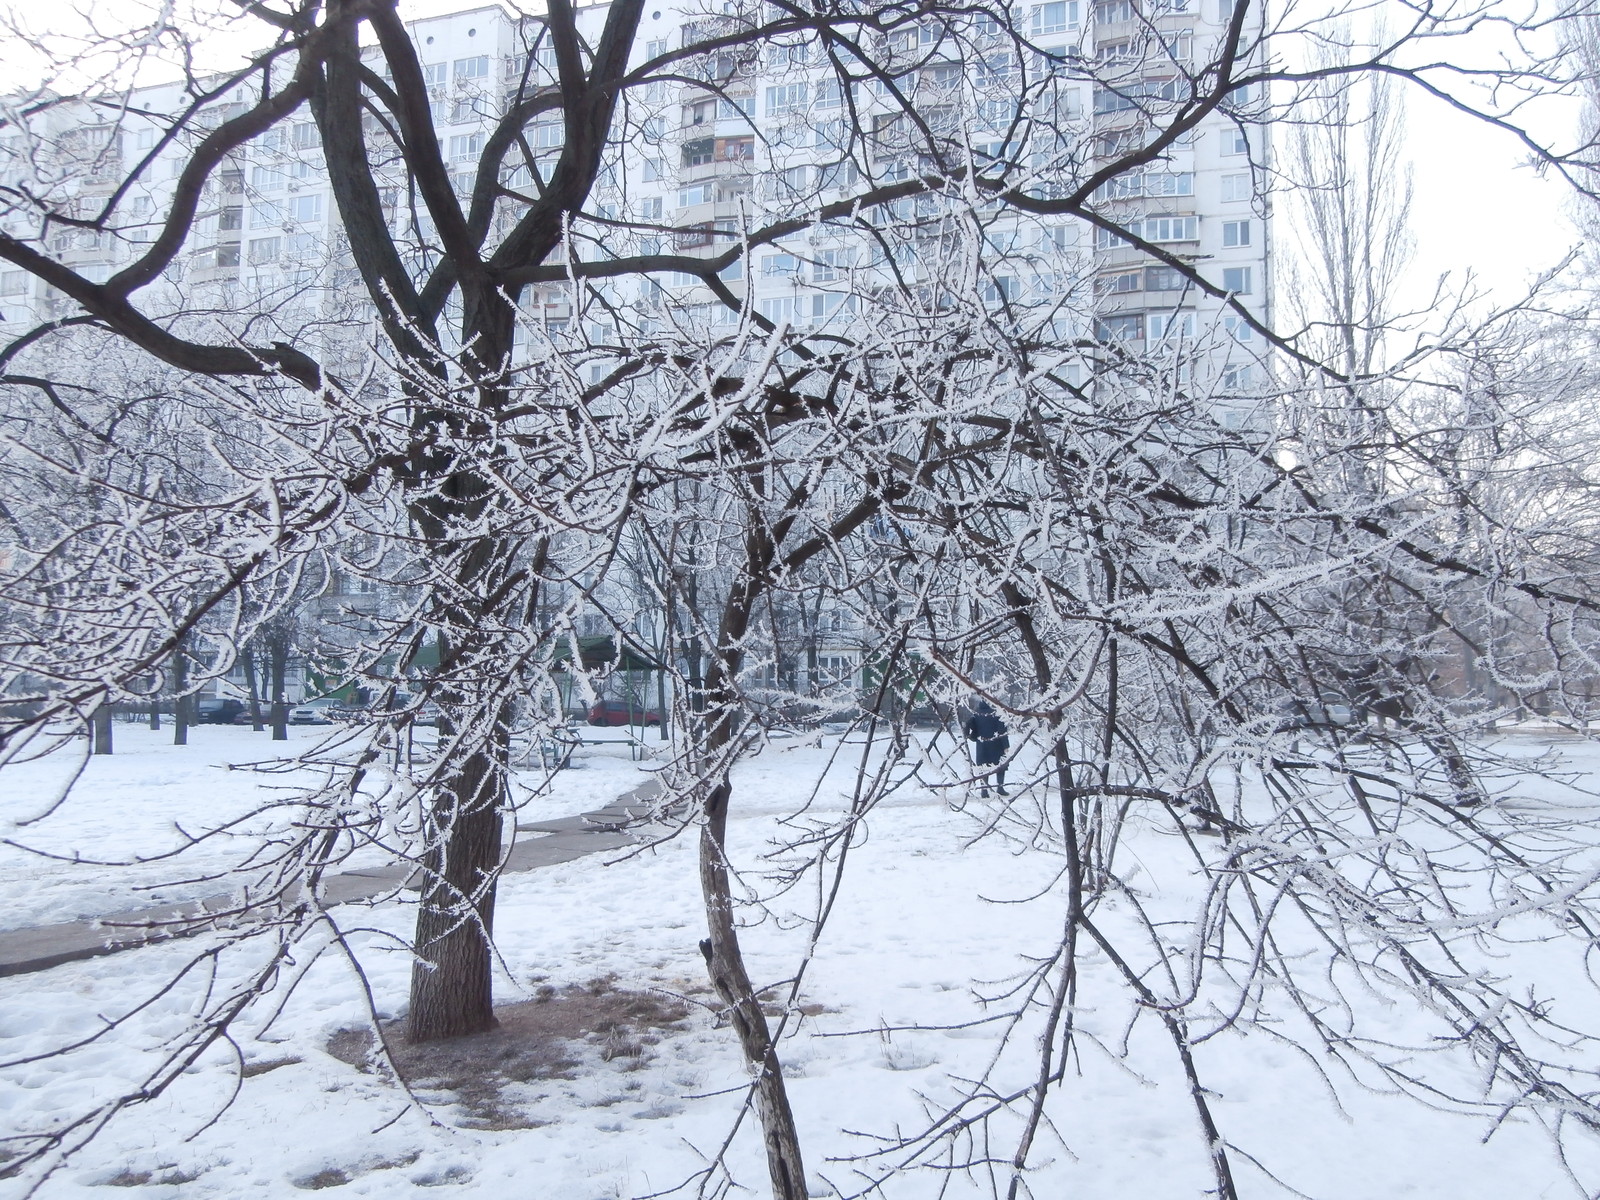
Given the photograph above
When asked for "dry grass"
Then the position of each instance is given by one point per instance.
(542, 1038)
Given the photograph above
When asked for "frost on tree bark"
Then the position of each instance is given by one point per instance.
(452, 982)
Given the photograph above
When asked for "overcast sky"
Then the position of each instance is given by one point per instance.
(1478, 203)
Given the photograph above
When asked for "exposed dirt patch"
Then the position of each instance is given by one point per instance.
(542, 1038)
(328, 1178)
(251, 1070)
(170, 1177)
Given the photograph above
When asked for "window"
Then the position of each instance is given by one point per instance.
(228, 254)
(996, 68)
(1236, 280)
(231, 217)
(1059, 238)
(1106, 100)
(471, 68)
(1235, 187)
(1056, 17)
(305, 136)
(779, 264)
(1125, 327)
(266, 216)
(1170, 326)
(466, 145)
(265, 250)
(1238, 328)
(835, 668)
(1178, 47)
(828, 264)
(786, 98)
(1237, 377)
(829, 94)
(735, 149)
(652, 170)
(699, 152)
(1126, 281)
(655, 48)
(700, 193)
(778, 310)
(1161, 183)
(1113, 10)
(779, 57)
(736, 106)
(829, 134)
(650, 208)
(463, 111)
(701, 112)
(1164, 279)
(792, 180)
(1169, 229)
(547, 135)
(1236, 233)
(266, 179)
(13, 283)
(305, 210)
(433, 73)
(837, 176)
(1235, 141)
(1000, 289)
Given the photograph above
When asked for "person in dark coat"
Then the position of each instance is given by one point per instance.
(987, 732)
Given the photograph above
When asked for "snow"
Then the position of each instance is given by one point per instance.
(928, 920)
(156, 813)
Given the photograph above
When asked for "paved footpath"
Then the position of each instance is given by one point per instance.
(565, 838)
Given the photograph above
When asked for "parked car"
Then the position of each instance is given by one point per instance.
(422, 712)
(212, 711)
(620, 712)
(315, 712)
(1328, 712)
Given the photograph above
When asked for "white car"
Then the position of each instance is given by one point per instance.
(315, 712)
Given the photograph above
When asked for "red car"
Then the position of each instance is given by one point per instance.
(620, 712)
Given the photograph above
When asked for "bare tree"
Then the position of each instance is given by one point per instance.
(959, 410)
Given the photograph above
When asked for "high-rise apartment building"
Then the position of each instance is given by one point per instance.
(726, 147)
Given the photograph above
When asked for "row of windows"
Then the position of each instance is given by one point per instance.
(475, 67)
(1238, 280)
(1166, 326)
(298, 210)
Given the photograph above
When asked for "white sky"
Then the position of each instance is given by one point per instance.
(1477, 203)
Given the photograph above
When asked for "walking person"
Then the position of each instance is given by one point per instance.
(987, 732)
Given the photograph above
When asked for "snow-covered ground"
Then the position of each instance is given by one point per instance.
(165, 820)
(928, 920)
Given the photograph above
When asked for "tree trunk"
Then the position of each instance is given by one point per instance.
(724, 958)
(452, 979)
(181, 701)
(255, 690)
(102, 728)
(725, 962)
(277, 668)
